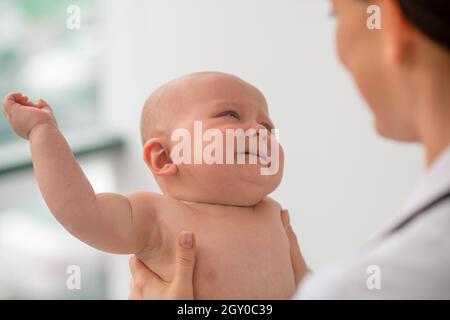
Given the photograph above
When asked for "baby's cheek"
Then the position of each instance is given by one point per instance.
(277, 161)
(281, 156)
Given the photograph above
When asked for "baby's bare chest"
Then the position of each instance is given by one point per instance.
(227, 227)
(241, 252)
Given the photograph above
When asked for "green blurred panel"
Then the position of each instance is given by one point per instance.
(41, 9)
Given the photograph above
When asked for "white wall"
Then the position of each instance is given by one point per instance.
(341, 181)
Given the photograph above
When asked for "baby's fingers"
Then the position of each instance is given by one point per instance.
(13, 101)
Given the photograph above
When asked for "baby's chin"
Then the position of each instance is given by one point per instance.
(232, 185)
(243, 186)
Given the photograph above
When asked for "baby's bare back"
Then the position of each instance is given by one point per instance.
(242, 252)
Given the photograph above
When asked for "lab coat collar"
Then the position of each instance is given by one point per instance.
(431, 186)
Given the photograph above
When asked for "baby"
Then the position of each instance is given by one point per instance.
(243, 251)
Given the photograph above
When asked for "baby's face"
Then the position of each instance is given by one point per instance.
(214, 104)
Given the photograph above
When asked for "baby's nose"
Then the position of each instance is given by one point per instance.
(258, 127)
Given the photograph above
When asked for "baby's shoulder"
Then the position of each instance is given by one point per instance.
(145, 200)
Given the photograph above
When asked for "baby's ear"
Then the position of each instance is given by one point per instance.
(157, 158)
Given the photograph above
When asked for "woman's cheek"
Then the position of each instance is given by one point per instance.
(341, 45)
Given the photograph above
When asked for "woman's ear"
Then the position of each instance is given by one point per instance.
(157, 158)
(397, 31)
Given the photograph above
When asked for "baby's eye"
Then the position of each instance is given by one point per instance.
(232, 114)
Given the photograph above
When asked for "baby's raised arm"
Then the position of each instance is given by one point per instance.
(107, 221)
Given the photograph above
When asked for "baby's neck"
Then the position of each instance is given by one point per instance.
(204, 204)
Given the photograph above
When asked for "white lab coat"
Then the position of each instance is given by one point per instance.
(412, 262)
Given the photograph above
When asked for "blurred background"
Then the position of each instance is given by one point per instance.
(342, 182)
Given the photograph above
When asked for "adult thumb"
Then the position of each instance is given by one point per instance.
(44, 106)
(185, 261)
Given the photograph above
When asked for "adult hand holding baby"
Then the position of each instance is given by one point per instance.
(298, 263)
(146, 285)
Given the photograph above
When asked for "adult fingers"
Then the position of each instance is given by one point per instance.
(298, 263)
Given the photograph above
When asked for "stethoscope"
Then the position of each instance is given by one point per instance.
(424, 209)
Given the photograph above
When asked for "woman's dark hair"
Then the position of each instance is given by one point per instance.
(432, 17)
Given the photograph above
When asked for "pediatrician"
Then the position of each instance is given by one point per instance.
(403, 72)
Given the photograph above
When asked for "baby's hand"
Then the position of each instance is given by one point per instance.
(24, 115)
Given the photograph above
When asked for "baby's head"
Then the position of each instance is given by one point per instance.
(205, 107)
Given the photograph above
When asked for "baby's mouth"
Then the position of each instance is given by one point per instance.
(262, 159)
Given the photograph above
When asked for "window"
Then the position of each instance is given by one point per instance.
(41, 57)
